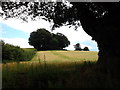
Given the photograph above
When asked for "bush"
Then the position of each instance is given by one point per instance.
(86, 49)
(28, 54)
(15, 53)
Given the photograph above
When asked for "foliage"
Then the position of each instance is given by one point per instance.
(44, 40)
(15, 53)
(46, 10)
(28, 53)
(62, 41)
(40, 39)
(77, 47)
(86, 49)
(60, 13)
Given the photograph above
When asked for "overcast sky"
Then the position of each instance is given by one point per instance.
(16, 32)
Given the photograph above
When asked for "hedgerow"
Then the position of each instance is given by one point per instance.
(15, 53)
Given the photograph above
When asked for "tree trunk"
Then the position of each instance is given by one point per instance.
(109, 60)
(105, 31)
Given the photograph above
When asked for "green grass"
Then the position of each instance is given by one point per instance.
(63, 69)
(26, 54)
(16, 75)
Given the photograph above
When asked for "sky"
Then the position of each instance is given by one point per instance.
(16, 32)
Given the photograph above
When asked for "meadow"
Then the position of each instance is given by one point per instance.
(55, 69)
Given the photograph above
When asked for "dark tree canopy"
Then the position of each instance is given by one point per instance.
(86, 49)
(40, 39)
(44, 40)
(62, 40)
(48, 11)
(77, 47)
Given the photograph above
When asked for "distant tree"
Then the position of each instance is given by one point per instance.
(54, 43)
(86, 49)
(2, 42)
(44, 40)
(77, 47)
(40, 39)
(62, 40)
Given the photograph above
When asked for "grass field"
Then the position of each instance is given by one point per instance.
(65, 56)
(55, 69)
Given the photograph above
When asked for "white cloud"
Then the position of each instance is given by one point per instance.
(23, 43)
(24, 26)
(71, 47)
(79, 35)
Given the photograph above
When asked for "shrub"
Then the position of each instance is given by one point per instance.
(28, 54)
(86, 49)
(15, 53)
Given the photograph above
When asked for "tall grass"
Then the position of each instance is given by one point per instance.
(60, 74)
(67, 75)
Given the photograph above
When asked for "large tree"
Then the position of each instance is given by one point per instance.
(42, 39)
(99, 20)
(62, 40)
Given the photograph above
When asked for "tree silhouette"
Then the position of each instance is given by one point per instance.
(77, 47)
(44, 40)
(86, 49)
(40, 39)
(62, 40)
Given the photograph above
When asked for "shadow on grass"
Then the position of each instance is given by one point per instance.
(77, 75)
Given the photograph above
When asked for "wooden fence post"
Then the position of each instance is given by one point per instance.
(39, 59)
(44, 60)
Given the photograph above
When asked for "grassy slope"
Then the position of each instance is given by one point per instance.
(65, 56)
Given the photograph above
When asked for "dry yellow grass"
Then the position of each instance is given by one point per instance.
(59, 57)
(65, 56)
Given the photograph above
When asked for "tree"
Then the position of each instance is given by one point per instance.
(99, 20)
(44, 40)
(54, 43)
(62, 41)
(77, 47)
(15, 53)
(40, 39)
(86, 49)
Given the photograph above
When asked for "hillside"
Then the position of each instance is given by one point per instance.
(65, 56)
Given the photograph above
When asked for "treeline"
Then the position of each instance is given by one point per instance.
(78, 48)
(15, 53)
